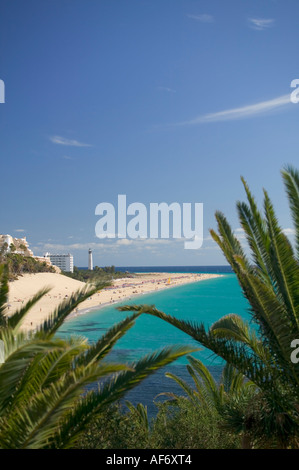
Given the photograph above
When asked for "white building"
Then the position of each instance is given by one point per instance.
(20, 245)
(8, 240)
(64, 262)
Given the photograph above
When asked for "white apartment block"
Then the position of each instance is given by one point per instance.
(64, 262)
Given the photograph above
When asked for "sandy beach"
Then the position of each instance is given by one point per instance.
(62, 287)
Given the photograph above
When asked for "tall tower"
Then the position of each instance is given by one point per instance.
(90, 263)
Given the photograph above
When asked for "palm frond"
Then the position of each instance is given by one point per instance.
(3, 293)
(233, 327)
(285, 266)
(191, 394)
(257, 235)
(245, 360)
(35, 425)
(140, 412)
(291, 180)
(258, 241)
(95, 402)
(228, 242)
(15, 320)
(103, 346)
(46, 368)
(16, 364)
(56, 319)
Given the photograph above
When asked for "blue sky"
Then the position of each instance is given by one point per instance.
(161, 100)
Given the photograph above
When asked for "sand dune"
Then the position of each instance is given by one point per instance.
(25, 287)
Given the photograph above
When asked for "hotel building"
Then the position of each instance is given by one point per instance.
(64, 262)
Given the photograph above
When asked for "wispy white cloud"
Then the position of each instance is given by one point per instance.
(289, 231)
(108, 243)
(211, 247)
(260, 24)
(21, 230)
(56, 139)
(204, 18)
(67, 157)
(240, 113)
(165, 88)
(147, 242)
(240, 233)
(57, 247)
(124, 242)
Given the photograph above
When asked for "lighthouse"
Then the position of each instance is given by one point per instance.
(90, 263)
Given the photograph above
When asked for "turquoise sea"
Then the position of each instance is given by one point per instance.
(205, 301)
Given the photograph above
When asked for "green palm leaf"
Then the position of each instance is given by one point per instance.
(95, 402)
(103, 346)
(56, 319)
(291, 180)
(34, 425)
(15, 320)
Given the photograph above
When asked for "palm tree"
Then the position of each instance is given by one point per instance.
(229, 399)
(44, 402)
(269, 279)
(139, 412)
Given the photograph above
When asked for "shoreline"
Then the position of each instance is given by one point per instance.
(62, 287)
(101, 306)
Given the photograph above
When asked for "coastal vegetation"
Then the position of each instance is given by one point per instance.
(260, 350)
(177, 425)
(206, 417)
(97, 274)
(44, 397)
(19, 264)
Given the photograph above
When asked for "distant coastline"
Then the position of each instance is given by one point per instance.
(62, 287)
(174, 269)
(115, 301)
